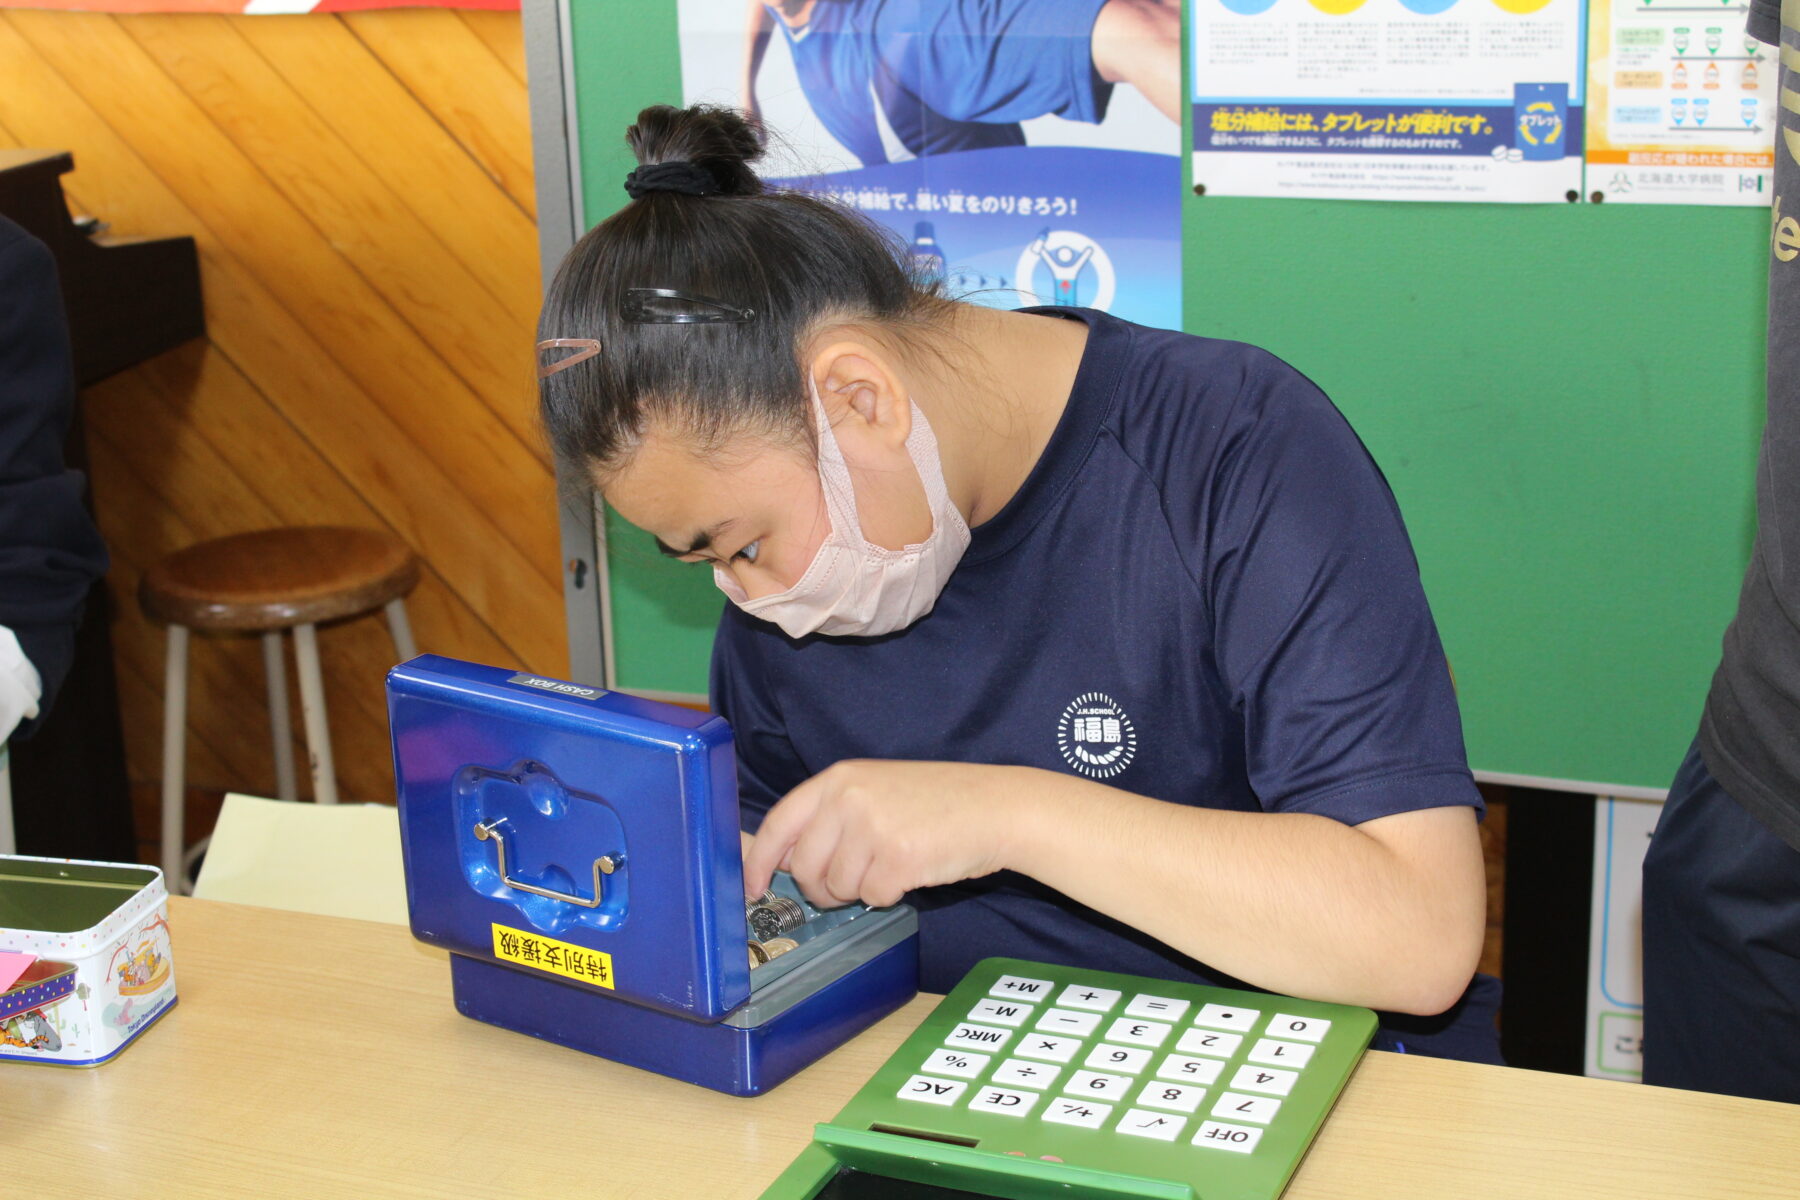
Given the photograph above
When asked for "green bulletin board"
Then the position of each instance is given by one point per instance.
(1566, 400)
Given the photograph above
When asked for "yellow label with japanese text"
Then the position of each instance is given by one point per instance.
(548, 954)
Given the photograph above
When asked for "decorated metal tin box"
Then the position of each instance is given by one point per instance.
(577, 851)
(104, 970)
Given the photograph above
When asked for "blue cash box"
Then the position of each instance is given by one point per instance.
(576, 850)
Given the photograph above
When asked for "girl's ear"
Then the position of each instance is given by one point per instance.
(863, 397)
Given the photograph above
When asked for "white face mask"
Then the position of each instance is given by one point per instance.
(854, 587)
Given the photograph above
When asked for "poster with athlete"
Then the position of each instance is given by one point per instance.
(1474, 100)
(1028, 151)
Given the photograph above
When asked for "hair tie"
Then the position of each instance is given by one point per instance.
(683, 178)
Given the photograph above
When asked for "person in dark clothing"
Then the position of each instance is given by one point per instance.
(1722, 877)
(50, 552)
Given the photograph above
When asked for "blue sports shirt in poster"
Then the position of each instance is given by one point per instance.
(1202, 593)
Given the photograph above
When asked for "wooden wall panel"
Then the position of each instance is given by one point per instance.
(360, 190)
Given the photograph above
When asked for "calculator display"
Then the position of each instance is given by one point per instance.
(1028, 1075)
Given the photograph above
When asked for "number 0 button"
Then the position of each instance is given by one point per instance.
(1301, 1029)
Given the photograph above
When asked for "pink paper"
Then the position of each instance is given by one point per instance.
(12, 965)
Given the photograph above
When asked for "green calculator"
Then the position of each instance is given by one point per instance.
(1031, 1081)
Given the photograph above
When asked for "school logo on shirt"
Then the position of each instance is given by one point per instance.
(1096, 737)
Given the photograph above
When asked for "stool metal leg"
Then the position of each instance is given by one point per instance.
(312, 714)
(174, 764)
(401, 629)
(280, 722)
(8, 845)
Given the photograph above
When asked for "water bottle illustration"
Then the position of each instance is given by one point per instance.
(927, 255)
(1712, 75)
(1751, 45)
(1748, 111)
(1678, 77)
(1681, 39)
(1702, 110)
(1747, 77)
(1715, 37)
(1678, 111)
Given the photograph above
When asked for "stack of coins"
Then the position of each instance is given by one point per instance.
(771, 916)
(762, 952)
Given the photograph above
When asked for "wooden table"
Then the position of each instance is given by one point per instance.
(318, 1057)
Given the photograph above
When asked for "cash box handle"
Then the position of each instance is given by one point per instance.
(606, 864)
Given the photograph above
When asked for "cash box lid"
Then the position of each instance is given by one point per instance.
(571, 830)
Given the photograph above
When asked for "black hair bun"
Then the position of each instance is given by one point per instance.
(722, 141)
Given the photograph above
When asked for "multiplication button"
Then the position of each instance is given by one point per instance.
(1018, 1072)
(1140, 1122)
(1227, 1016)
(1047, 1046)
(1118, 1058)
(931, 1091)
(1000, 1012)
(1280, 1054)
(1267, 1080)
(1017, 987)
(1133, 1032)
(1061, 1020)
(1156, 1008)
(1300, 1029)
(1209, 1041)
(1097, 1085)
(1085, 1113)
(1221, 1136)
(960, 1063)
(1093, 999)
(1004, 1101)
(977, 1037)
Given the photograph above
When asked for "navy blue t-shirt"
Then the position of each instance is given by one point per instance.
(1203, 593)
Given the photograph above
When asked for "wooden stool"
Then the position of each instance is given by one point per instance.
(266, 582)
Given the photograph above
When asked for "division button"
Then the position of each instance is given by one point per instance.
(1066, 1111)
(931, 1091)
(1140, 1122)
(1019, 1072)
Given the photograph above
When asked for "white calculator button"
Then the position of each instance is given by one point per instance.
(1098, 1086)
(1280, 1054)
(1157, 1008)
(1226, 1016)
(1018, 1072)
(1161, 1126)
(1133, 1032)
(1047, 1047)
(1017, 987)
(1178, 1096)
(1066, 1111)
(1118, 1058)
(1000, 1012)
(1267, 1080)
(931, 1091)
(1002, 1100)
(1061, 1020)
(1209, 1041)
(1079, 995)
(959, 1063)
(1221, 1136)
(1185, 1069)
(1301, 1029)
(977, 1037)
(1235, 1106)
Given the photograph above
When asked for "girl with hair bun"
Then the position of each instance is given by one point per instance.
(1101, 645)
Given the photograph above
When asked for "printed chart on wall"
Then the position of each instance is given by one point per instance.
(1472, 100)
(1028, 151)
(1683, 107)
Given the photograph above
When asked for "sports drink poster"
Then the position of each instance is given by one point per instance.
(1028, 151)
(1450, 100)
(1684, 104)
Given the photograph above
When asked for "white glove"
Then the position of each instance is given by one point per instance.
(20, 685)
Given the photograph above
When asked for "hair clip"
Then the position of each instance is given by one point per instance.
(666, 306)
(585, 348)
